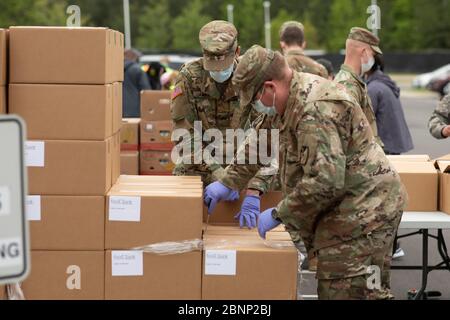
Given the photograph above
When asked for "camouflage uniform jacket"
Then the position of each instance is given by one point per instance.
(337, 182)
(440, 118)
(298, 61)
(197, 97)
(357, 88)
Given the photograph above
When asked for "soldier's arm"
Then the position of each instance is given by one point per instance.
(253, 176)
(440, 118)
(321, 156)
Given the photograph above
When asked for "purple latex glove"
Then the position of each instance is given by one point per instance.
(266, 223)
(216, 192)
(249, 212)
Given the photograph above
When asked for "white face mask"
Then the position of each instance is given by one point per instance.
(365, 67)
(262, 108)
(222, 76)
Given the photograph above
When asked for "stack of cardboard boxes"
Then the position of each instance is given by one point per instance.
(144, 211)
(3, 69)
(66, 85)
(156, 133)
(129, 146)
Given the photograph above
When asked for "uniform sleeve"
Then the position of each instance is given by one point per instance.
(440, 118)
(184, 115)
(321, 156)
(253, 176)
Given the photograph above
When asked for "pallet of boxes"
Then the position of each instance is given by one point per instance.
(157, 246)
(156, 129)
(66, 85)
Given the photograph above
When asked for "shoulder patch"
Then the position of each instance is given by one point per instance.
(176, 93)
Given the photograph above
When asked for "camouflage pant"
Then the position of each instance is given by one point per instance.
(343, 270)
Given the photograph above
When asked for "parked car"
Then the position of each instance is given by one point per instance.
(423, 80)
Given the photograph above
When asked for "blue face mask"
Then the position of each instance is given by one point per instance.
(262, 108)
(222, 76)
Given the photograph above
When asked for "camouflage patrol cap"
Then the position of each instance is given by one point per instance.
(251, 72)
(364, 35)
(291, 24)
(219, 43)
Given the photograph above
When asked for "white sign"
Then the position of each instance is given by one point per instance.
(127, 263)
(220, 262)
(11, 252)
(33, 208)
(124, 208)
(35, 153)
(14, 236)
(5, 201)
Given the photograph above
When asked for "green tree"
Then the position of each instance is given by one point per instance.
(33, 12)
(154, 30)
(344, 15)
(249, 20)
(186, 26)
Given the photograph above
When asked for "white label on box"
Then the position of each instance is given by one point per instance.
(33, 208)
(127, 263)
(220, 262)
(124, 208)
(5, 201)
(12, 254)
(35, 153)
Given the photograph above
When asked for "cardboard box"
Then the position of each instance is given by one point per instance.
(421, 182)
(129, 134)
(75, 112)
(116, 158)
(145, 180)
(129, 162)
(410, 157)
(237, 267)
(155, 105)
(3, 109)
(446, 157)
(141, 215)
(156, 162)
(163, 277)
(156, 135)
(66, 275)
(66, 222)
(225, 212)
(3, 57)
(69, 167)
(65, 55)
(444, 185)
(117, 106)
(3, 293)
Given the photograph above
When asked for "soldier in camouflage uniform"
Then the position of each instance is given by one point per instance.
(204, 92)
(340, 191)
(292, 42)
(439, 124)
(360, 48)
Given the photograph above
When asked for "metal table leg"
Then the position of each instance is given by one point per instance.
(421, 294)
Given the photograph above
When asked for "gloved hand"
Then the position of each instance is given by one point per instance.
(266, 223)
(249, 212)
(216, 192)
